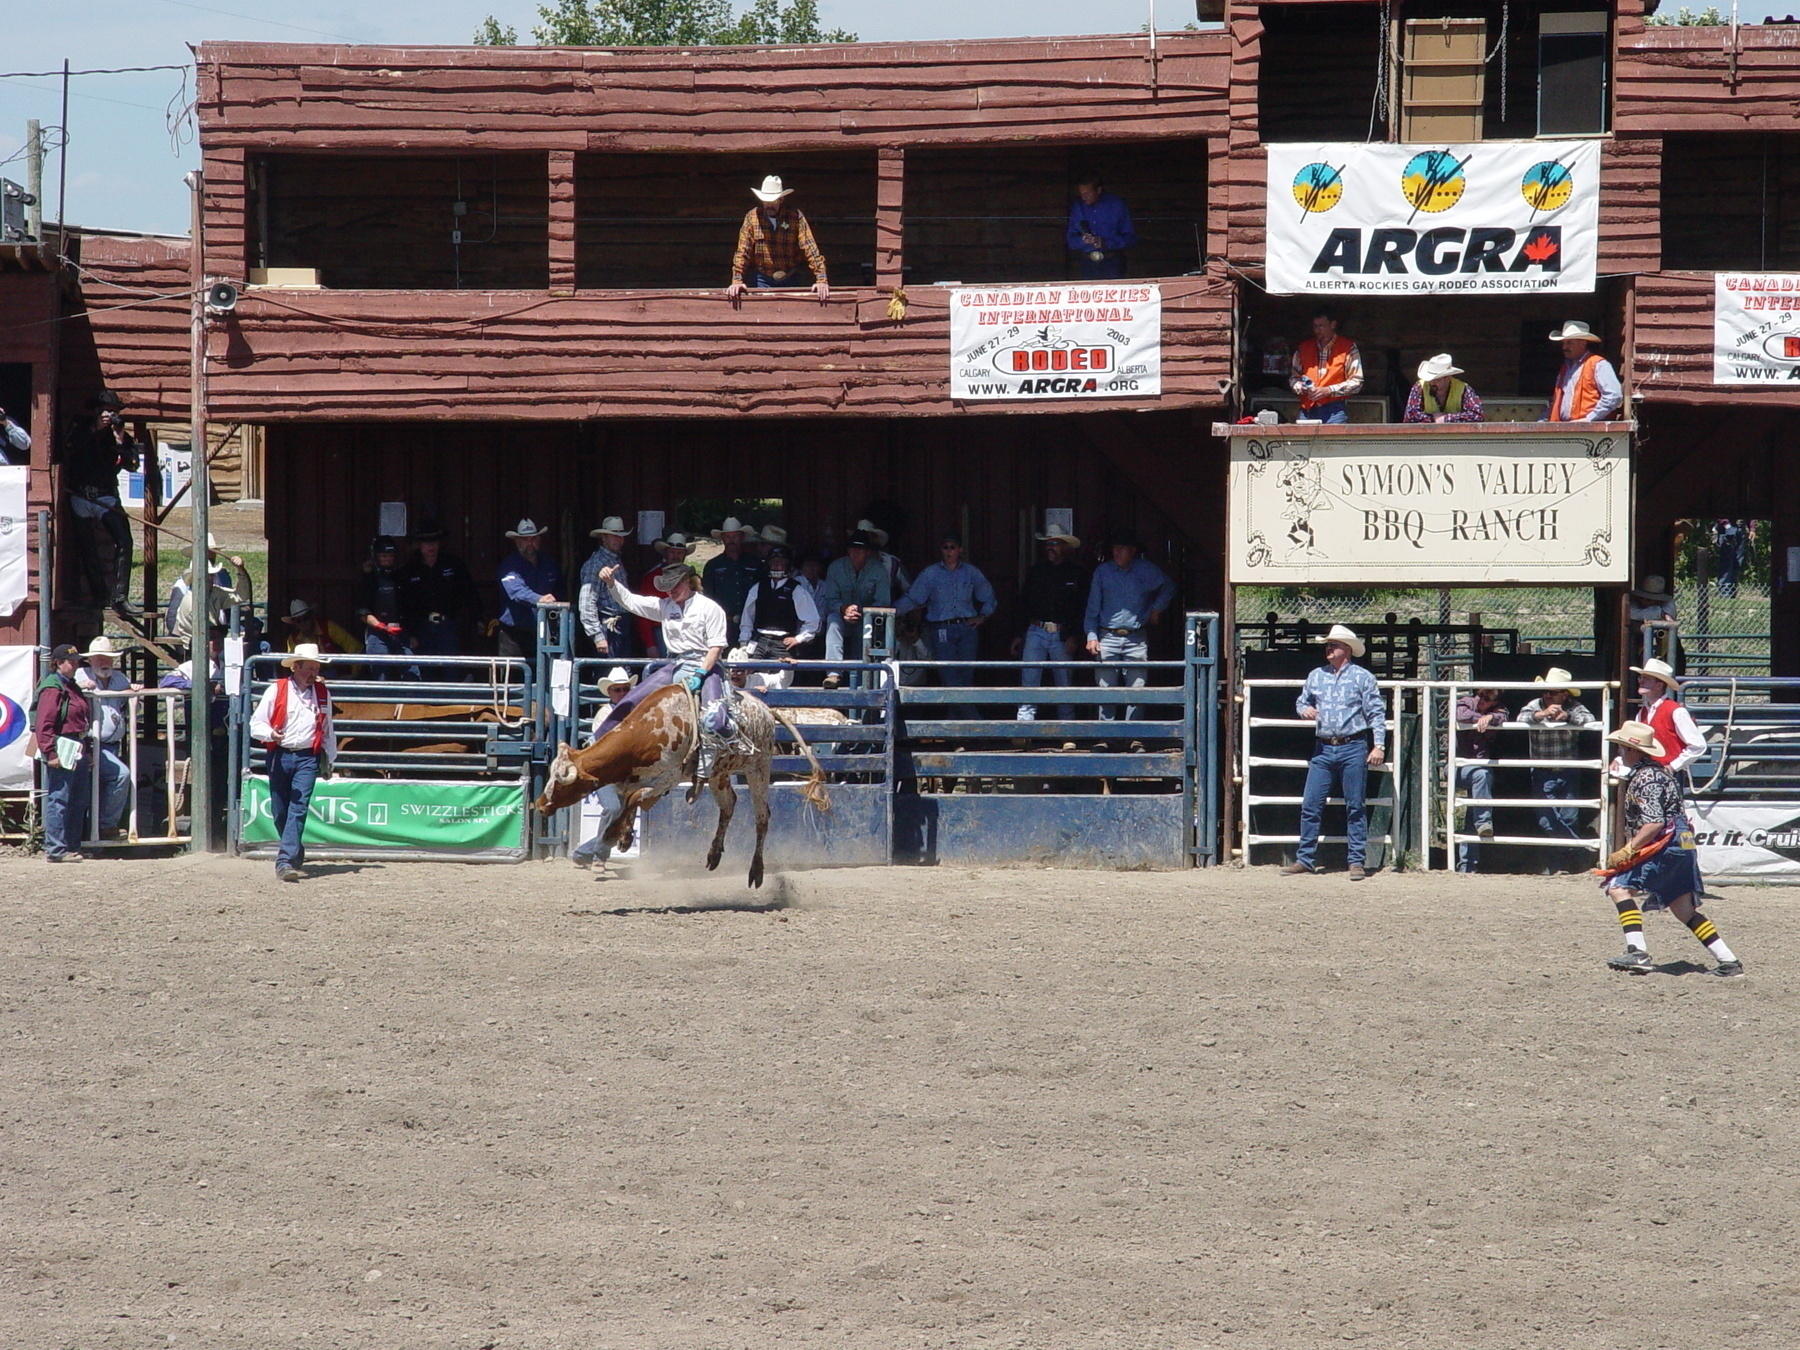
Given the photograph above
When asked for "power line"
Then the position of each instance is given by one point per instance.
(252, 18)
(58, 74)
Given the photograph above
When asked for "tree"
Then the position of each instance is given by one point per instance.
(1687, 18)
(667, 23)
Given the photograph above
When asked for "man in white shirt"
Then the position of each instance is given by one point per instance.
(694, 634)
(109, 724)
(616, 686)
(15, 441)
(292, 723)
(780, 614)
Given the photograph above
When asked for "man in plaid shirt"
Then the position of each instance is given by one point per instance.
(771, 243)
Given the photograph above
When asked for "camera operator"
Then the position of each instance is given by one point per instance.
(91, 466)
(15, 441)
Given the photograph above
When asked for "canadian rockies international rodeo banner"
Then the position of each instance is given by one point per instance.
(1756, 327)
(1089, 339)
(1383, 219)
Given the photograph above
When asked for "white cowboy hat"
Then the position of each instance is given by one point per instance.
(676, 540)
(732, 525)
(1558, 678)
(1437, 367)
(1574, 328)
(1639, 736)
(611, 525)
(774, 534)
(528, 529)
(305, 651)
(771, 190)
(1068, 539)
(673, 574)
(617, 675)
(1658, 669)
(297, 609)
(102, 646)
(874, 531)
(1339, 633)
(752, 535)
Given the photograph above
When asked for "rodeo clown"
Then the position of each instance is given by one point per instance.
(1658, 867)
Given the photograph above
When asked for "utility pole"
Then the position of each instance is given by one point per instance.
(34, 180)
(200, 494)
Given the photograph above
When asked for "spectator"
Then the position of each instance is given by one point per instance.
(91, 468)
(898, 577)
(437, 594)
(111, 719)
(223, 594)
(603, 618)
(1439, 396)
(957, 600)
(1126, 598)
(1650, 607)
(1478, 716)
(1100, 231)
(306, 624)
(772, 241)
(1551, 720)
(675, 548)
(15, 441)
(527, 579)
(60, 722)
(614, 688)
(730, 574)
(1053, 599)
(853, 583)
(293, 723)
(380, 610)
(1327, 369)
(779, 614)
(1587, 388)
(1343, 702)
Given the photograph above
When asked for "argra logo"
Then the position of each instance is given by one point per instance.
(1441, 251)
(12, 721)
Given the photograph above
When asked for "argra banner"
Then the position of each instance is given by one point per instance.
(18, 676)
(1756, 327)
(376, 813)
(1748, 841)
(1418, 509)
(1090, 339)
(1382, 219)
(13, 557)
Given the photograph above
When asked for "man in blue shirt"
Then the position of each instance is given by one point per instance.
(1126, 597)
(527, 580)
(1344, 704)
(1100, 230)
(957, 600)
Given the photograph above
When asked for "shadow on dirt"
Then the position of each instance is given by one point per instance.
(694, 897)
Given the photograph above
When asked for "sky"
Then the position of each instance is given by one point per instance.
(125, 159)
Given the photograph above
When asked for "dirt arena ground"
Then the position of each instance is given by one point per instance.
(436, 1106)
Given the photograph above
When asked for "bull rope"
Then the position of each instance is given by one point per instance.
(813, 793)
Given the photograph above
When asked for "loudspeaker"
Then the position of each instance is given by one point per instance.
(221, 297)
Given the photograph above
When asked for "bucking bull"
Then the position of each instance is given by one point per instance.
(648, 754)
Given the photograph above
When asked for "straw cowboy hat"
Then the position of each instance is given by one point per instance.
(1437, 367)
(1638, 736)
(874, 531)
(617, 675)
(771, 190)
(305, 651)
(1558, 678)
(673, 574)
(298, 610)
(774, 534)
(732, 525)
(528, 529)
(1653, 590)
(611, 525)
(1658, 669)
(752, 535)
(1576, 329)
(1061, 536)
(675, 540)
(1339, 633)
(102, 646)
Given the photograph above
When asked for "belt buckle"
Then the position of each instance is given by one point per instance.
(779, 276)
(1051, 628)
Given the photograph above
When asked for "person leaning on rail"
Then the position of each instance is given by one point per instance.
(1439, 396)
(1551, 721)
(1587, 387)
(1343, 702)
(773, 242)
(1327, 369)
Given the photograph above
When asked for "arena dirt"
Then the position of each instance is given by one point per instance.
(430, 1106)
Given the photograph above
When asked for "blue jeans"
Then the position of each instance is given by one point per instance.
(1042, 646)
(1474, 780)
(1341, 770)
(596, 850)
(1556, 822)
(843, 638)
(1115, 647)
(292, 774)
(762, 281)
(955, 642)
(387, 644)
(115, 788)
(65, 808)
(1335, 412)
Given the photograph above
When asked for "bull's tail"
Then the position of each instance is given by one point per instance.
(814, 791)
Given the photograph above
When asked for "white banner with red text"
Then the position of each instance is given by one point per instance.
(1090, 339)
(1506, 217)
(14, 559)
(1756, 328)
(18, 675)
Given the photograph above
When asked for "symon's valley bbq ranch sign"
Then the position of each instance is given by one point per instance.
(1549, 506)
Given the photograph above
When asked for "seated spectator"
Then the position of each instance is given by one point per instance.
(854, 582)
(1478, 716)
(224, 594)
(306, 624)
(616, 685)
(1551, 719)
(1439, 396)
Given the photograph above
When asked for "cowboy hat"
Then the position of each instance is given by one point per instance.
(1437, 368)
(771, 190)
(752, 535)
(528, 529)
(1658, 669)
(304, 651)
(1558, 678)
(774, 534)
(617, 675)
(429, 532)
(732, 525)
(212, 544)
(1654, 589)
(1339, 633)
(102, 646)
(1061, 536)
(611, 525)
(673, 574)
(1638, 736)
(298, 610)
(675, 540)
(1576, 329)
(860, 540)
(874, 531)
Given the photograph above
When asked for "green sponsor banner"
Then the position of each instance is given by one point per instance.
(383, 813)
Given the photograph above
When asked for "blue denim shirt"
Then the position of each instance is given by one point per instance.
(1348, 700)
(949, 593)
(522, 583)
(1126, 597)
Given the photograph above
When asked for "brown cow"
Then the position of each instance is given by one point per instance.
(647, 754)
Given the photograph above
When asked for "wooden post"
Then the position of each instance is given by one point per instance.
(562, 222)
(200, 803)
(890, 187)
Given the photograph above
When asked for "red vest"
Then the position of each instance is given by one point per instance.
(1662, 722)
(1584, 394)
(278, 715)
